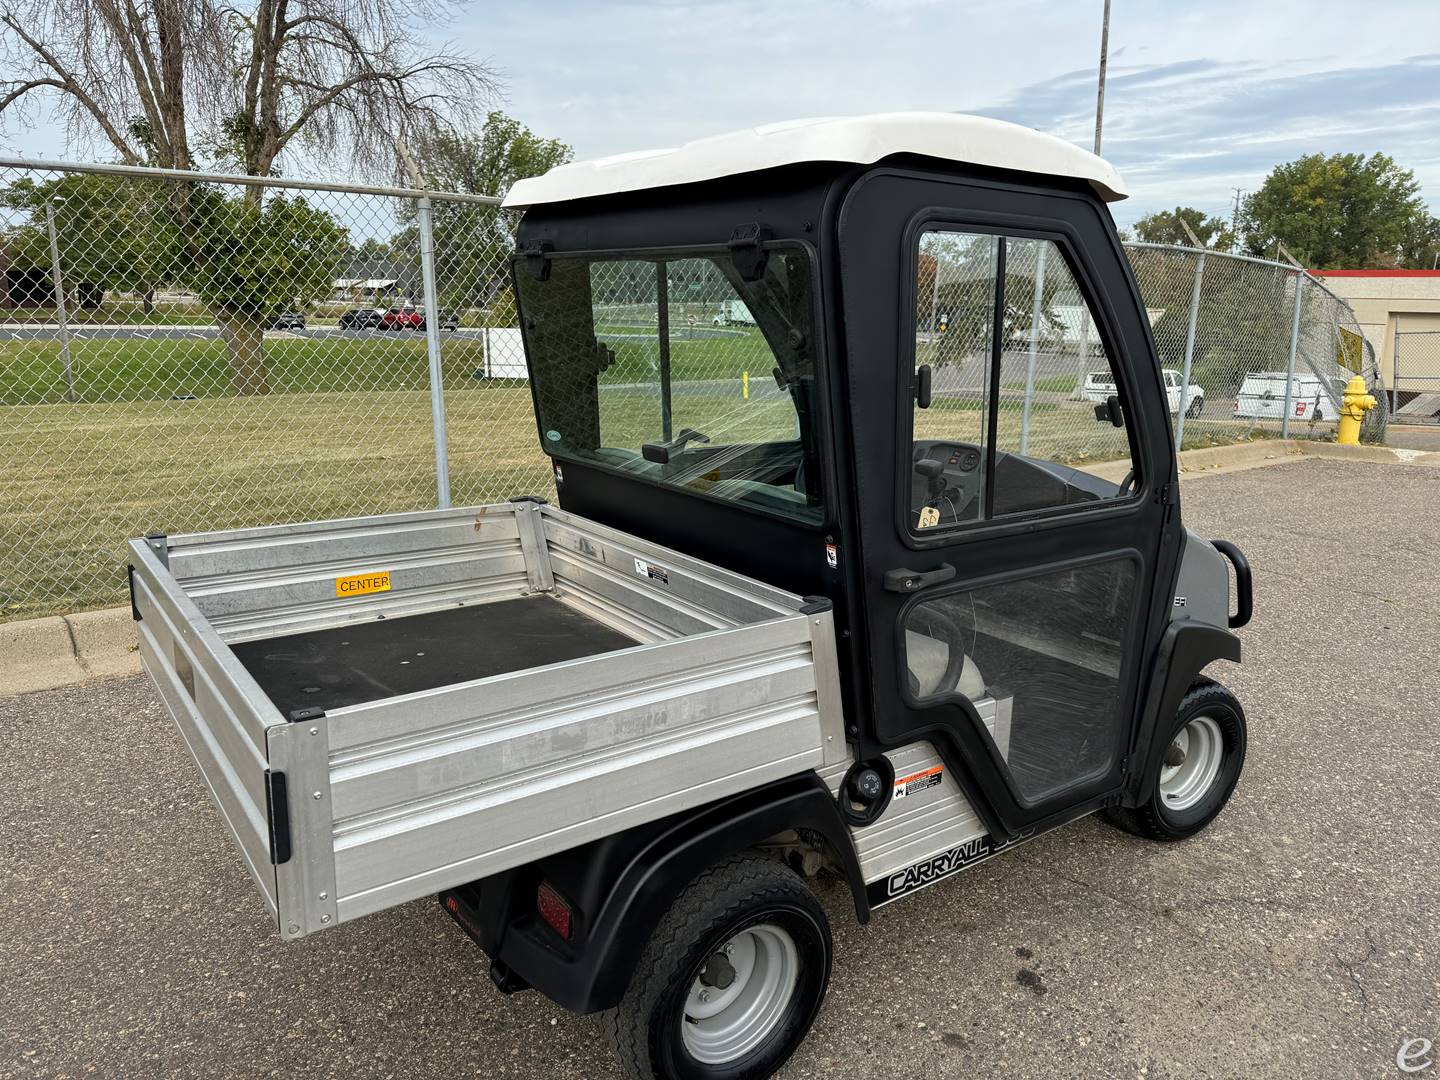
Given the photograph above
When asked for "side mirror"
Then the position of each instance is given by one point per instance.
(922, 386)
(1110, 410)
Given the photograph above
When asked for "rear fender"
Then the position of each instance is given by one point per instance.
(621, 886)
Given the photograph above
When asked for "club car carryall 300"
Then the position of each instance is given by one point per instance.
(859, 582)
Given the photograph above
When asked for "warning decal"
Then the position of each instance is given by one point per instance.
(651, 571)
(920, 781)
(360, 584)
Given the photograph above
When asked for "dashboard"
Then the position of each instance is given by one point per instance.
(947, 484)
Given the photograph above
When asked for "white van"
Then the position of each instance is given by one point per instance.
(1100, 385)
(1262, 396)
(733, 313)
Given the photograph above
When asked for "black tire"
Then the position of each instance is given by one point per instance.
(1154, 820)
(1195, 408)
(743, 891)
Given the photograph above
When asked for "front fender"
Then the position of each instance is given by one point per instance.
(1186, 649)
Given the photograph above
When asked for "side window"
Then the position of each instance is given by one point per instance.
(1017, 403)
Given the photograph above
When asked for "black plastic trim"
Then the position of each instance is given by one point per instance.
(1244, 587)
(538, 500)
(277, 813)
(130, 581)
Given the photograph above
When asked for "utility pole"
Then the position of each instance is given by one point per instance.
(1235, 215)
(1100, 94)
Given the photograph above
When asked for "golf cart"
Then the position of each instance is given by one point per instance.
(800, 608)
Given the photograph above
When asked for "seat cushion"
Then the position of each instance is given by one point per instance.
(927, 658)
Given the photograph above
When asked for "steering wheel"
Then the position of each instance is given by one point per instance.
(1126, 484)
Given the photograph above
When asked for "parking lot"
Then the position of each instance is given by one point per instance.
(1300, 935)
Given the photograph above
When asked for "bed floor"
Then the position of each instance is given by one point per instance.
(366, 661)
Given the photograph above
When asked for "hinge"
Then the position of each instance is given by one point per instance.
(746, 252)
(130, 578)
(277, 811)
(536, 256)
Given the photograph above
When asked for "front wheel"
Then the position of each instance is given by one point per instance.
(1201, 765)
(730, 980)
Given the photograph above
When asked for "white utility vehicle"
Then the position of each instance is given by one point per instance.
(1262, 396)
(1100, 385)
(733, 313)
(829, 628)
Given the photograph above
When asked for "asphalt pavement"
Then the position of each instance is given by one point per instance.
(1298, 936)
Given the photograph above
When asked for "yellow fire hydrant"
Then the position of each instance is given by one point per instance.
(1356, 404)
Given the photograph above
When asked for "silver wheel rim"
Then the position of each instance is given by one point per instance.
(1200, 747)
(722, 1024)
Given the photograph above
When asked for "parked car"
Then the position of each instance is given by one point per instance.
(360, 318)
(1100, 385)
(1262, 396)
(448, 320)
(406, 318)
(286, 320)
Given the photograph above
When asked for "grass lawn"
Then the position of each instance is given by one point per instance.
(80, 481)
(158, 369)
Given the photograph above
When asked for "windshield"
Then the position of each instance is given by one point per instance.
(680, 371)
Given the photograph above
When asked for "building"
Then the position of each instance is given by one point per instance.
(1385, 300)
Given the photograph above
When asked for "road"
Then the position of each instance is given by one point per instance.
(1300, 935)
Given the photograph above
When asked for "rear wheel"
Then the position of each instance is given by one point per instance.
(731, 979)
(1198, 771)
(1195, 408)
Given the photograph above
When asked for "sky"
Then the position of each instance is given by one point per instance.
(1203, 95)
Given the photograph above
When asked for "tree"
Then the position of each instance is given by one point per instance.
(472, 240)
(243, 286)
(1345, 210)
(154, 80)
(1168, 227)
(104, 229)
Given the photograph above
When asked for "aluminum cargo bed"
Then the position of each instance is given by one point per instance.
(386, 707)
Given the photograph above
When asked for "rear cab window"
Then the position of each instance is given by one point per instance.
(676, 370)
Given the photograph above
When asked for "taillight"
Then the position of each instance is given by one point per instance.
(554, 909)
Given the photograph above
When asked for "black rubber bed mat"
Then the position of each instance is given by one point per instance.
(372, 660)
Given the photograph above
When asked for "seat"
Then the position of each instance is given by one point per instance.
(927, 658)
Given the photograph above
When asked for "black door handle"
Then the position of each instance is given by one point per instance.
(903, 580)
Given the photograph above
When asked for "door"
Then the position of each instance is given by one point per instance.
(1011, 527)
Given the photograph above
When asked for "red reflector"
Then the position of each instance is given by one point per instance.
(553, 909)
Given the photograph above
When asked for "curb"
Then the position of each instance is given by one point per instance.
(42, 654)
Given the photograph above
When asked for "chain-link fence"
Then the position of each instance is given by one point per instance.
(1252, 346)
(189, 352)
(1415, 380)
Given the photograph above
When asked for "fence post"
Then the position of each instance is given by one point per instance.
(1184, 401)
(1395, 372)
(1035, 312)
(1294, 347)
(424, 216)
(60, 312)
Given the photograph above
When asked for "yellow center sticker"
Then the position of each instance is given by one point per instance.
(360, 584)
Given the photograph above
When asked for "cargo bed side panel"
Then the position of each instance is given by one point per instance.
(220, 712)
(439, 788)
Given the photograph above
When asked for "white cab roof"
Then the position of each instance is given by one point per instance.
(975, 140)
